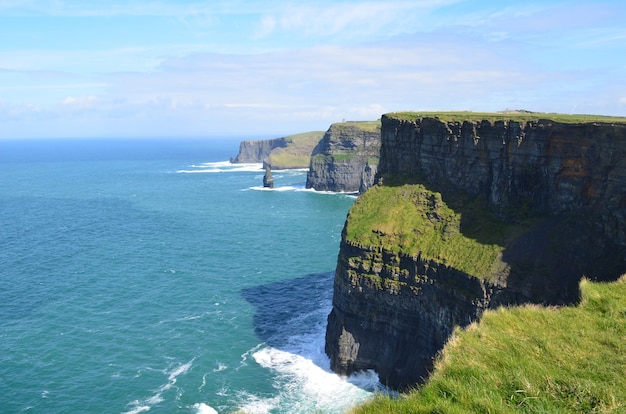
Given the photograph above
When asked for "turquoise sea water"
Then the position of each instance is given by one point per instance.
(152, 275)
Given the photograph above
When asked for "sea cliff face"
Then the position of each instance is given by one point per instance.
(547, 166)
(553, 199)
(255, 151)
(393, 312)
(346, 158)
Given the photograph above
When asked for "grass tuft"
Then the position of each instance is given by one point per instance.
(530, 359)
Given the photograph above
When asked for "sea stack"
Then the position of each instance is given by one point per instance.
(268, 180)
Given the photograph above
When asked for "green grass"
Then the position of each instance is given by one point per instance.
(530, 359)
(455, 230)
(370, 126)
(344, 156)
(298, 153)
(520, 116)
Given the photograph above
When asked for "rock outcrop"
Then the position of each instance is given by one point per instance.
(558, 190)
(268, 179)
(346, 158)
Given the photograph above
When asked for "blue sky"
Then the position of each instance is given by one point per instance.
(269, 68)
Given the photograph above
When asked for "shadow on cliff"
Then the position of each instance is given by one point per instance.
(546, 254)
(290, 309)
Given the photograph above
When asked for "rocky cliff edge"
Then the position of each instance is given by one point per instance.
(346, 158)
(470, 214)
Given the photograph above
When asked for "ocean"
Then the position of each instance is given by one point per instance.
(154, 276)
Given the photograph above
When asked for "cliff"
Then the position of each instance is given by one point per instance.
(346, 158)
(293, 151)
(255, 151)
(470, 213)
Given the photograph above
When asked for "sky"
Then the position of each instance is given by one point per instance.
(192, 68)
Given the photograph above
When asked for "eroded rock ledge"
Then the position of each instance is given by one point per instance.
(558, 191)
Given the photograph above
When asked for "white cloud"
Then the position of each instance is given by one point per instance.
(266, 26)
(63, 86)
(350, 66)
(355, 20)
(80, 102)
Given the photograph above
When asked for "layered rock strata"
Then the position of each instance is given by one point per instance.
(547, 166)
(564, 183)
(395, 322)
(346, 158)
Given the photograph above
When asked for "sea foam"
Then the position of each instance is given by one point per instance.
(202, 408)
(304, 380)
(149, 402)
(221, 167)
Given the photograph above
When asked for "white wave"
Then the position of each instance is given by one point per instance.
(245, 355)
(223, 392)
(256, 405)
(157, 397)
(306, 387)
(278, 189)
(220, 367)
(304, 380)
(222, 166)
(182, 369)
(293, 171)
(344, 193)
(217, 164)
(203, 383)
(304, 189)
(202, 408)
(138, 408)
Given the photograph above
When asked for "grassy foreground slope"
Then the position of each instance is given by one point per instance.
(530, 359)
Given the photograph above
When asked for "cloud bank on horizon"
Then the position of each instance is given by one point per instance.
(262, 68)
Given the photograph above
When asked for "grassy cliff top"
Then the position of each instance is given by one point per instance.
(305, 137)
(370, 126)
(457, 231)
(519, 116)
(297, 154)
(530, 360)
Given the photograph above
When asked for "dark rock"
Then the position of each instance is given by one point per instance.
(268, 180)
(346, 158)
(396, 323)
